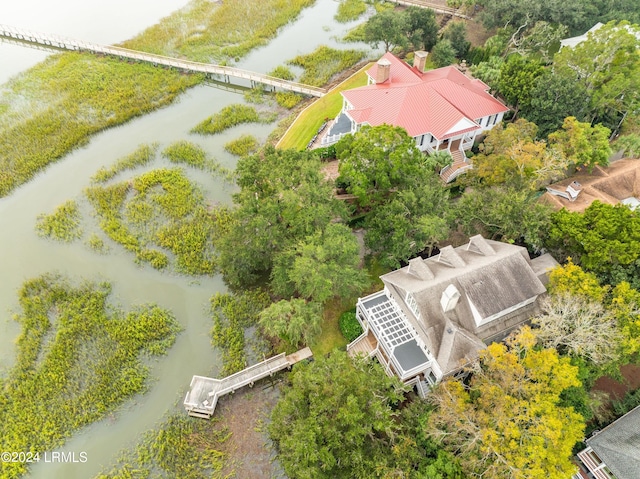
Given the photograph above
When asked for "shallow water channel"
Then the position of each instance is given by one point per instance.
(24, 255)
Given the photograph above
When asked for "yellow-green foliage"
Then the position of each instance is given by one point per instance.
(142, 156)
(231, 116)
(282, 72)
(78, 358)
(209, 31)
(288, 99)
(97, 244)
(325, 62)
(356, 34)
(242, 145)
(180, 448)
(158, 209)
(63, 224)
(349, 10)
(57, 104)
(193, 155)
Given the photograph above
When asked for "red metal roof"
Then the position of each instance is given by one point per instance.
(431, 102)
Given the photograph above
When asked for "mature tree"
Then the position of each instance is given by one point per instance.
(510, 155)
(489, 71)
(408, 224)
(608, 65)
(538, 40)
(377, 160)
(604, 239)
(629, 144)
(324, 265)
(572, 279)
(339, 419)
(456, 33)
(578, 326)
(509, 423)
(283, 199)
(517, 79)
(294, 321)
(502, 213)
(625, 304)
(443, 54)
(387, 27)
(421, 28)
(581, 143)
(499, 13)
(552, 99)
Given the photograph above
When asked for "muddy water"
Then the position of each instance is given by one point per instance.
(25, 255)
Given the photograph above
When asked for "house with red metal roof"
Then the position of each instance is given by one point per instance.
(442, 109)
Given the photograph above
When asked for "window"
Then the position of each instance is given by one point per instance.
(495, 119)
(413, 306)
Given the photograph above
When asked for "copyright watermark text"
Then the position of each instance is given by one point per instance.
(49, 456)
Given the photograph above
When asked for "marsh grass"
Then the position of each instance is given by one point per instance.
(288, 99)
(180, 447)
(95, 243)
(156, 214)
(231, 116)
(78, 358)
(143, 155)
(55, 106)
(282, 72)
(349, 10)
(208, 31)
(356, 34)
(242, 146)
(320, 65)
(61, 225)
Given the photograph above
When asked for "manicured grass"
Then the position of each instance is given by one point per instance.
(331, 337)
(327, 107)
(78, 358)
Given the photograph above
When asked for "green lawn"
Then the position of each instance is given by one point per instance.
(308, 122)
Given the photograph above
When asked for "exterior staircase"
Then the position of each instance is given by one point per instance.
(460, 165)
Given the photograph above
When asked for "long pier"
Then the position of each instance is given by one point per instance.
(444, 10)
(48, 41)
(204, 392)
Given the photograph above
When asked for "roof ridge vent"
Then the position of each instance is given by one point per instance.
(478, 244)
(450, 257)
(419, 269)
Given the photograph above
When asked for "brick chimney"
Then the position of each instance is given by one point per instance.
(384, 70)
(420, 60)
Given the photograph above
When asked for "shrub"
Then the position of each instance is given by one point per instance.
(349, 325)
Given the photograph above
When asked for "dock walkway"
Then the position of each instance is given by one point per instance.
(204, 392)
(442, 9)
(56, 42)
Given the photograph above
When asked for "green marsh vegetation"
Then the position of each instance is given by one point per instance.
(157, 213)
(288, 99)
(63, 224)
(231, 116)
(320, 65)
(190, 154)
(207, 31)
(242, 146)
(350, 10)
(78, 358)
(143, 155)
(55, 106)
(180, 447)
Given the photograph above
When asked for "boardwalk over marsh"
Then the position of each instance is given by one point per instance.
(55, 42)
(442, 9)
(204, 392)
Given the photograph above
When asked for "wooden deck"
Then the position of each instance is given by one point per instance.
(49, 41)
(204, 392)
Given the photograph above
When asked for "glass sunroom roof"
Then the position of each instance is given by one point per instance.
(391, 328)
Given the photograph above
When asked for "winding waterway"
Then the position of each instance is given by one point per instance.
(25, 255)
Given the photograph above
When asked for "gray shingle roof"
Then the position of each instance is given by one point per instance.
(618, 445)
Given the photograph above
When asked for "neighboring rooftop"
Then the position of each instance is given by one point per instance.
(618, 445)
(573, 41)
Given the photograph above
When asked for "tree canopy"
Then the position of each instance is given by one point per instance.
(509, 422)
(413, 27)
(581, 143)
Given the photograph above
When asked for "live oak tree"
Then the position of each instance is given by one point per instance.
(517, 80)
(321, 266)
(340, 419)
(386, 27)
(443, 54)
(508, 422)
(421, 28)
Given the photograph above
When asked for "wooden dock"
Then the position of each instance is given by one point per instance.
(444, 10)
(203, 395)
(226, 73)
